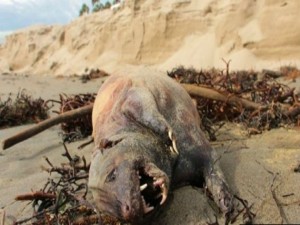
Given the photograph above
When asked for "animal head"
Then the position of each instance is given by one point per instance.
(126, 185)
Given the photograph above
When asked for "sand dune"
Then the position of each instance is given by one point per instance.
(162, 34)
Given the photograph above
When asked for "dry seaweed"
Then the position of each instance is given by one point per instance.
(92, 74)
(80, 127)
(280, 101)
(63, 199)
(23, 109)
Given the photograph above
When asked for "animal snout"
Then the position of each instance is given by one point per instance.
(127, 211)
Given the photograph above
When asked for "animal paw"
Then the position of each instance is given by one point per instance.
(219, 192)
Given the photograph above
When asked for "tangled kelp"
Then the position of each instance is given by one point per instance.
(279, 103)
(80, 127)
(22, 110)
(62, 200)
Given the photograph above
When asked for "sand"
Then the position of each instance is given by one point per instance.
(151, 37)
(250, 163)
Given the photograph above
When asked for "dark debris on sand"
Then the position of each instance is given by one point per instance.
(80, 127)
(92, 74)
(23, 109)
(62, 200)
(280, 103)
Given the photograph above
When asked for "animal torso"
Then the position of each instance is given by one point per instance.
(148, 140)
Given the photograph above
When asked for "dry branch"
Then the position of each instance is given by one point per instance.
(79, 127)
(35, 196)
(45, 125)
(216, 95)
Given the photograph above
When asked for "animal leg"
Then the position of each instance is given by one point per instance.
(219, 191)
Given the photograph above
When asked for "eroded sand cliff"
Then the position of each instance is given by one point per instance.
(162, 34)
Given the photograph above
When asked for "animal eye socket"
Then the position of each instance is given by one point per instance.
(111, 176)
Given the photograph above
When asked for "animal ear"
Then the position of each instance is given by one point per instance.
(106, 144)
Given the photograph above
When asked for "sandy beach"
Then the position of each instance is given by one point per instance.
(256, 167)
(153, 37)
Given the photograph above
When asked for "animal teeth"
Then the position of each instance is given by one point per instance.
(143, 187)
(164, 197)
(160, 182)
(147, 207)
(173, 148)
(170, 133)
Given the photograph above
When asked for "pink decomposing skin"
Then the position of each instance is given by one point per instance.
(148, 140)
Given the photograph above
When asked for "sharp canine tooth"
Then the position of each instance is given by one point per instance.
(172, 149)
(176, 149)
(174, 146)
(170, 133)
(172, 138)
(164, 197)
(148, 209)
(143, 187)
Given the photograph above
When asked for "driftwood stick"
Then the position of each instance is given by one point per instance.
(45, 125)
(293, 112)
(35, 196)
(215, 95)
(191, 89)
